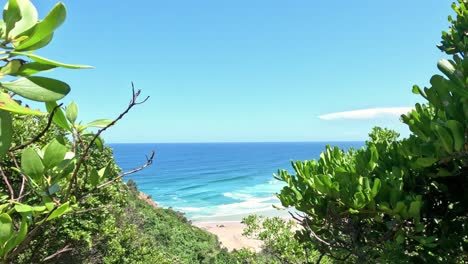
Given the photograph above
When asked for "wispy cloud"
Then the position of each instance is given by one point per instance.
(371, 113)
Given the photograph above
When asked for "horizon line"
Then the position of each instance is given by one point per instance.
(234, 142)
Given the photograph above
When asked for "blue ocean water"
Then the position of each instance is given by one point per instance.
(206, 180)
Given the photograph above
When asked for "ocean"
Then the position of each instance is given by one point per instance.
(216, 181)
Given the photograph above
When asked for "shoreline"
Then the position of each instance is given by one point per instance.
(230, 236)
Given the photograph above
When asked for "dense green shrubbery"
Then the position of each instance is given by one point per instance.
(396, 200)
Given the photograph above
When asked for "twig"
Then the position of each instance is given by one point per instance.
(5, 179)
(60, 251)
(38, 136)
(132, 103)
(23, 181)
(147, 163)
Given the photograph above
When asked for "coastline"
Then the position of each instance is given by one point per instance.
(229, 229)
(230, 235)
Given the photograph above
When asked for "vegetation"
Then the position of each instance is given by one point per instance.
(396, 200)
(61, 198)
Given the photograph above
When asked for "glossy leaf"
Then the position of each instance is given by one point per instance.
(97, 123)
(40, 89)
(49, 62)
(29, 18)
(44, 28)
(94, 177)
(11, 15)
(53, 154)
(59, 117)
(32, 68)
(6, 228)
(8, 104)
(11, 68)
(6, 132)
(72, 112)
(31, 164)
(62, 209)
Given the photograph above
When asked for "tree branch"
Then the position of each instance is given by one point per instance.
(7, 183)
(132, 103)
(38, 136)
(58, 252)
(147, 163)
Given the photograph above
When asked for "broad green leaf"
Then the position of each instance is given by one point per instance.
(426, 162)
(44, 28)
(46, 61)
(6, 228)
(72, 112)
(23, 231)
(32, 68)
(458, 133)
(6, 132)
(11, 68)
(11, 15)
(40, 89)
(31, 164)
(62, 209)
(59, 117)
(29, 18)
(8, 104)
(94, 177)
(23, 208)
(54, 154)
(376, 187)
(445, 138)
(44, 42)
(97, 123)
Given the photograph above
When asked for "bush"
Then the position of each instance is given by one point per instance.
(396, 200)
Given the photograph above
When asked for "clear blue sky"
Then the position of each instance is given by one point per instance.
(245, 70)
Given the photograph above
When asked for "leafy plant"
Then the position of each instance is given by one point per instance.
(396, 200)
(43, 180)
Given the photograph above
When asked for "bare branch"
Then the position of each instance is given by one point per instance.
(23, 181)
(58, 252)
(7, 183)
(38, 136)
(132, 103)
(147, 163)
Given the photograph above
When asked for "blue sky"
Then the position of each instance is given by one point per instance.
(263, 70)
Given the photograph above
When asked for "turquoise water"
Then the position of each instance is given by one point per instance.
(215, 180)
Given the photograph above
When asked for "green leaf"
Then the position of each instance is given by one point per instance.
(426, 162)
(6, 132)
(44, 42)
(40, 89)
(94, 177)
(458, 133)
(23, 208)
(31, 164)
(11, 68)
(23, 231)
(46, 61)
(29, 18)
(53, 154)
(72, 112)
(97, 123)
(44, 28)
(32, 68)
(11, 15)
(8, 104)
(6, 228)
(59, 117)
(62, 209)
(445, 137)
(376, 187)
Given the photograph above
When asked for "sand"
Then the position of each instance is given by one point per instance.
(230, 235)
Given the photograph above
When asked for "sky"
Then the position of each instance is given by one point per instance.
(248, 70)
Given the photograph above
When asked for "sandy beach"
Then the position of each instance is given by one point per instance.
(230, 235)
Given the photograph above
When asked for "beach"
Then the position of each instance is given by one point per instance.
(230, 235)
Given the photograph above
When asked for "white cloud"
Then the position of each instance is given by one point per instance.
(371, 113)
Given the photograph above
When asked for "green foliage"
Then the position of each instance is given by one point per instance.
(396, 200)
